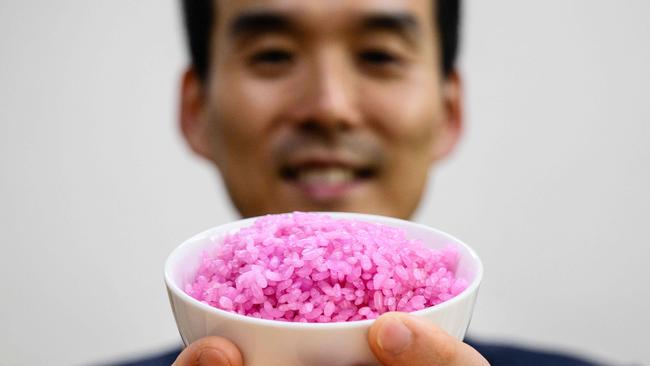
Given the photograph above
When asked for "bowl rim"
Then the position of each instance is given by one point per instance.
(176, 291)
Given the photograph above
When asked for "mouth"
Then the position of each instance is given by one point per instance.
(327, 180)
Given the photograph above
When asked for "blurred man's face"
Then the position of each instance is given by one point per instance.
(323, 105)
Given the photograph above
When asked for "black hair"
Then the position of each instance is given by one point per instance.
(199, 18)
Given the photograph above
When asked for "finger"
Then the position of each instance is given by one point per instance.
(401, 339)
(210, 351)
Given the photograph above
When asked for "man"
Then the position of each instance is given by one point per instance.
(330, 106)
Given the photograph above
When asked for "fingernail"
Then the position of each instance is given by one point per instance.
(393, 337)
(213, 357)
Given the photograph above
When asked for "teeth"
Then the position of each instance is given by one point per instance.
(335, 175)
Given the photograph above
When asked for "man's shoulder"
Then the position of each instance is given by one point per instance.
(511, 355)
(496, 354)
(161, 359)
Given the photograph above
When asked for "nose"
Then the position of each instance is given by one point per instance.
(328, 101)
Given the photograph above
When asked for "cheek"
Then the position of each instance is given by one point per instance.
(407, 114)
(241, 114)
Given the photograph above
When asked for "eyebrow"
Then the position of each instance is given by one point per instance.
(404, 25)
(253, 23)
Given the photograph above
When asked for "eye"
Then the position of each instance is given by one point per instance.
(272, 56)
(271, 62)
(378, 57)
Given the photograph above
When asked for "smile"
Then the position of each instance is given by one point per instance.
(321, 180)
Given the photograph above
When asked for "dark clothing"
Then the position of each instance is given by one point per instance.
(507, 355)
(497, 355)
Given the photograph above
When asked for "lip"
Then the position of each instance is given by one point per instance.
(327, 192)
(323, 191)
(326, 159)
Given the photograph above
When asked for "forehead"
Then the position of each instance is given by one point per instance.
(325, 14)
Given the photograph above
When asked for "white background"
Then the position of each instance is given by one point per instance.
(550, 185)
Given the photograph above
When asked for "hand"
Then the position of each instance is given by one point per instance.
(400, 339)
(210, 351)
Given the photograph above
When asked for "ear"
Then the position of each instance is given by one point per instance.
(193, 119)
(452, 122)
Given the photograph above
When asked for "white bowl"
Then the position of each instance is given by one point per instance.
(271, 342)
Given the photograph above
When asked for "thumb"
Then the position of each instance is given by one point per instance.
(401, 339)
(210, 351)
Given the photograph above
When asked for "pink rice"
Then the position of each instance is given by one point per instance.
(308, 267)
